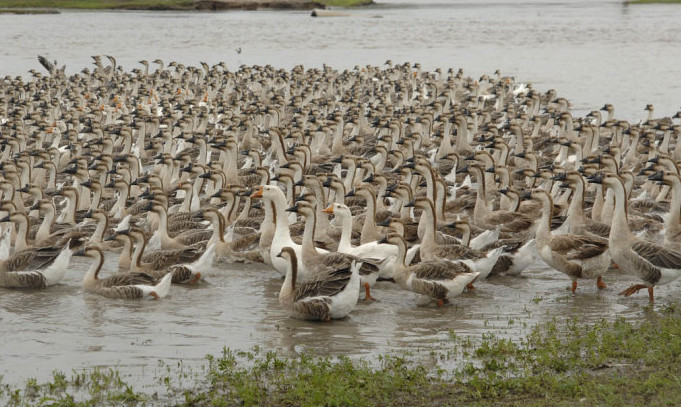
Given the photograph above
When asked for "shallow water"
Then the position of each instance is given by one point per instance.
(590, 52)
(63, 328)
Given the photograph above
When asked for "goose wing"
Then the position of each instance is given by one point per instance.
(194, 237)
(327, 285)
(439, 270)
(128, 279)
(160, 259)
(457, 252)
(658, 255)
(32, 259)
(576, 247)
(23, 279)
(336, 260)
(598, 228)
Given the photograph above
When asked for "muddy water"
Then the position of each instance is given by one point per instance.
(591, 52)
(65, 329)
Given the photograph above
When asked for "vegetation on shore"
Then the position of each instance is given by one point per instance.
(559, 363)
(166, 4)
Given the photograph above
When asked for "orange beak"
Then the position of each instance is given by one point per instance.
(328, 209)
(258, 193)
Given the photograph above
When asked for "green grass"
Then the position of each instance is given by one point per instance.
(562, 363)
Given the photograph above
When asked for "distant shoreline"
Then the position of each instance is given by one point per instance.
(53, 7)
(653, 1)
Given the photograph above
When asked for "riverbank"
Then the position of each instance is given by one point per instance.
(563, 362)
(43, 6)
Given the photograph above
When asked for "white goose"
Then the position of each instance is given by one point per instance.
(372, 250)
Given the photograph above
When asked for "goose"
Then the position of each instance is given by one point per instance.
(440, 280)
(235, 249)
(35, 269)
(130, 286)
(652, 263)
(577, 256)
(516, 256)
(274, 196)
(372, 250)
(315, 262)
(332, 295)
(512, 222)
(481, 262)
(157, 262)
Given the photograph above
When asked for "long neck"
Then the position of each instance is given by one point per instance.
(22, 236)
(121, 203)
(369, 232)
(428, 218)
(93, 272)
(281, 220)
(70, 210)
(95, 200)
(480, 211)
(322, 220)
(266, 227)
(124, 260)
(162, 223)
(345, 242)
(544, 227)
(466, 238)
(401, 270)
(675, 205)
(140, 245)
(289, 285)
(218, 224)
(102, 224)
(46, 226)
(620, 227)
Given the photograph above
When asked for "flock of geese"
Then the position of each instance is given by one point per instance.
(435, 181)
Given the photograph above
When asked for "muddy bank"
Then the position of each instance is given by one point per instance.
(189, 5)
(29, 11)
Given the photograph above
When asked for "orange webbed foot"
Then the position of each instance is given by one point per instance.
(600, 284)
(633, 289)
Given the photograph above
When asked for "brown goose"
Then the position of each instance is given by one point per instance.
(332, 295)
(652, 263)
(438, 279)
(131, 286)
(35, 268)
